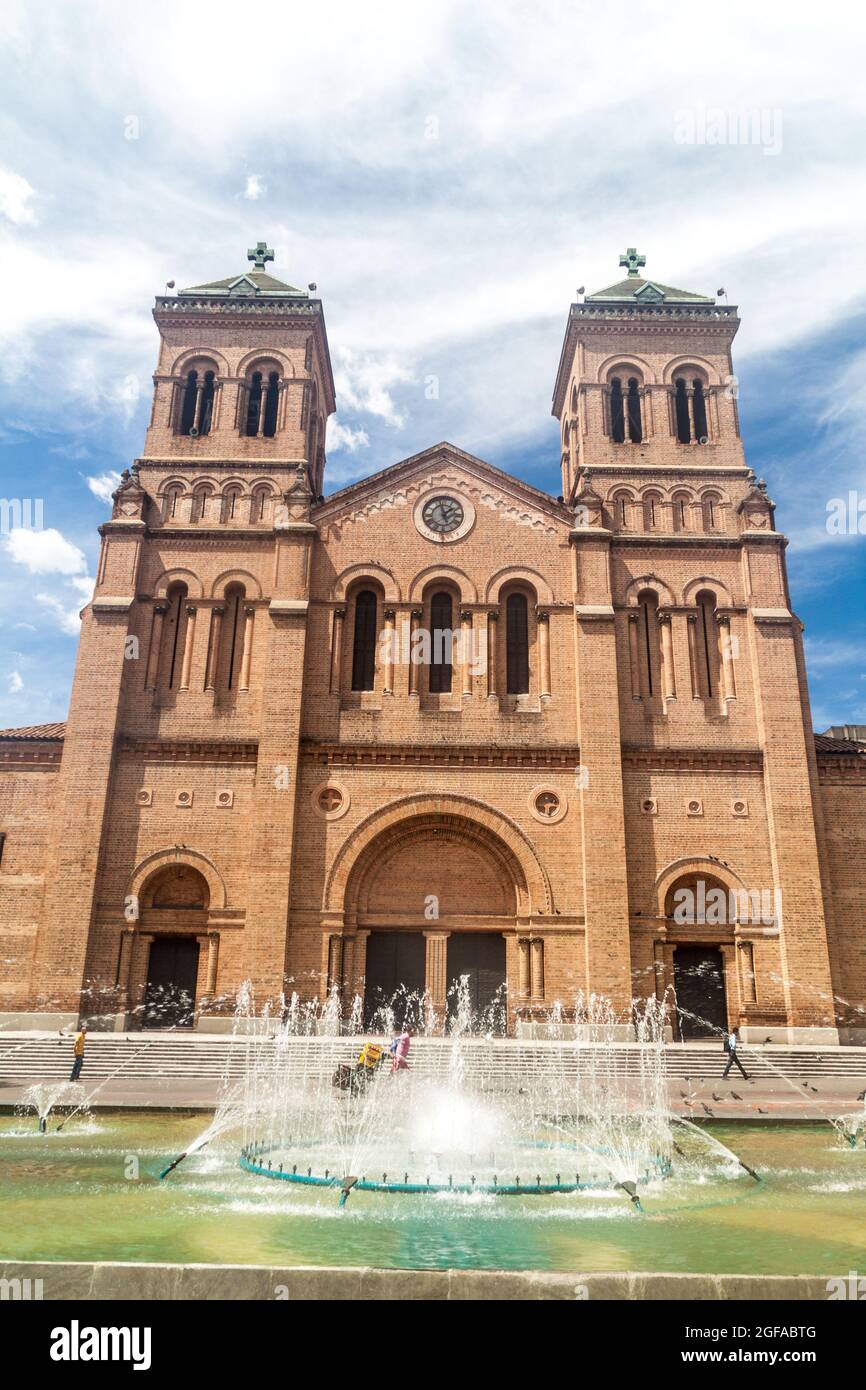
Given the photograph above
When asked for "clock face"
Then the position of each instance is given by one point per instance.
(442, 514)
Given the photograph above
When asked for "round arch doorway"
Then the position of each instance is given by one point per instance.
(174, 911)
(435, 896)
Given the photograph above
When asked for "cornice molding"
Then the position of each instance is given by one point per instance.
(564, 757)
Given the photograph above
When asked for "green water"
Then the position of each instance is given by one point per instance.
(91, 1193)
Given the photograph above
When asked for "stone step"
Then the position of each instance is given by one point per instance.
(28, 1059)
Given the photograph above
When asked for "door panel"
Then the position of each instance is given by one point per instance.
(172, 971)
(699, 981)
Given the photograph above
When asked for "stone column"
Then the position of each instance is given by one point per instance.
(634, 655)
(80, 812)
(213, 657)
(388, 687)
(213, 955)
(602, 851)
(124, 966)
(523, 970)
(246, 659)
(159, 612)
(669, 680)
(360, 961)
(544, 653)
(537, 968)
(414, 664)
(199, 393)
(492, 629)
(729, 689)
(263, 405)
(466, 653)
(748, 983)
(694, 668)
(437, 967)
(337, 650)
(335, 964)
(188, 643)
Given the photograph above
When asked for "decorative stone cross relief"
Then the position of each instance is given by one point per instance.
(260, 253)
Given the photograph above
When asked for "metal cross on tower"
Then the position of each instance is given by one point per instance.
(632, 260)
(260, 253)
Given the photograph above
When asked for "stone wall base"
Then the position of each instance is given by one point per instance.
(801, 1037)
(43, 1022)
(96, 1281)
(576, 1032)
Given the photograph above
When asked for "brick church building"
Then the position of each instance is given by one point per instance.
(438, 723)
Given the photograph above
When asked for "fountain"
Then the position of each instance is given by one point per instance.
(473, 1114)
(45, 1095)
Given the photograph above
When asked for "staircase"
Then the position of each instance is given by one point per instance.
(26, 1058)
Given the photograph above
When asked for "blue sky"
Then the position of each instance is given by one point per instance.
(447, 175)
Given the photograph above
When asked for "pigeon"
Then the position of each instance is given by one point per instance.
(760, 1111)
(706, 1107)
(715, 1097)
(736, 1096)
(862, 1095)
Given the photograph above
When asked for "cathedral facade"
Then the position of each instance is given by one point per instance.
(438, 725)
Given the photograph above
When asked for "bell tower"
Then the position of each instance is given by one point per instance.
(682, 607)
(243, 379)
(646, 379)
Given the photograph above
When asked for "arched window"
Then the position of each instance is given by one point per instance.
(364, 645)
(173, 495)
(684, 429)
(517, 644)
(708, 644)
(711, 511)
(207, 399)
(232, 652)
(681, 502)
(187, 412)
(201, 503)
(652, 511)
(621, 505)
(231, 504)
(617, 412)
(635, 428)
(441, 632)
(269, 426)
(254, 404)
(699, 409)
(649, 641)
(173, 636)
(260, 499)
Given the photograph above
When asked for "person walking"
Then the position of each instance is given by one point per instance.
(731, 1041)
(78, 1052)
(399, 1050)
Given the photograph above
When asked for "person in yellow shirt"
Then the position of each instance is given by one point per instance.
(78, 1052)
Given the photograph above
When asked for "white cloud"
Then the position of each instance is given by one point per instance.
(16, 196)
(365, 381)
(67, 618)
(45, 552)
(255, 188)
(344, 437)
(16, 682)
(103, 485)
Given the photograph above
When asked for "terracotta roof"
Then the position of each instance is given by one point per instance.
(627, 291)
(248, 282)
(825, 744)
(45, 733)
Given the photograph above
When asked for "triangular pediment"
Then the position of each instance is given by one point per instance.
(650, 293)
(446, 466)
(243, 285)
